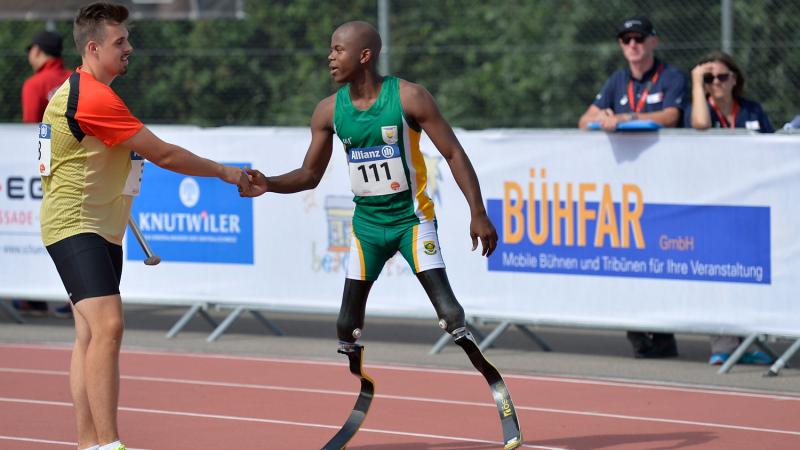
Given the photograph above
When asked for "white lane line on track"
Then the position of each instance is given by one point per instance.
(274, 422)
(420, 399)
(615, 382)
(45, 441)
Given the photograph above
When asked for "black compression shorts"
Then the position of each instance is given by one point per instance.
(89, 265)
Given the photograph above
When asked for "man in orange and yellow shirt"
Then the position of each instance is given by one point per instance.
(86, 140)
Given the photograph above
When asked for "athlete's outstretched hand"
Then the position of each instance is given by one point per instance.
(258, 184)
(481, 227)
(235, 175)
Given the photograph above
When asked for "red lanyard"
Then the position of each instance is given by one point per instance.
(722, 119)
(638, 106)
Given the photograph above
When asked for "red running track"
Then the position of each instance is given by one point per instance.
(173, 401)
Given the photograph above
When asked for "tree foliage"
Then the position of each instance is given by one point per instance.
(489, 64)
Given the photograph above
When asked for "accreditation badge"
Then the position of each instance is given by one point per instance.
(658, 97)
(752, 125)
(45, 150)
(133, 185)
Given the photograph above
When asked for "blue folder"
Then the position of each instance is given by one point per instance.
(631, 125)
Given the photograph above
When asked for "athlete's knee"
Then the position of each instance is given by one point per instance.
(348, 329)
(109, 333)
(82, 341)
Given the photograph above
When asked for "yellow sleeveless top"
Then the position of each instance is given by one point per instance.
(83, 193)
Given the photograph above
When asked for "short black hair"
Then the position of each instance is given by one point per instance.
(89, 21)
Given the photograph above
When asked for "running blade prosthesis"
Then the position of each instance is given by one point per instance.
(512, 436)
(355, 353)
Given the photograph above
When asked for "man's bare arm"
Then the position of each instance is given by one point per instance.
(592, 114)
(309, 174)
(178, 159)
(419, 105)
(668, 117)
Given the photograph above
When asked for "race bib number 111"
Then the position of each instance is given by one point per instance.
(376, 171)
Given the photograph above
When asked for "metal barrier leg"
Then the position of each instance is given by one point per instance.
(767, 349)
(534, 337)
(781, 362)
(11, 312)
(198, 308)
(737, 354)
(491, 337)
(205, 315)
(473, 328)
(439, 345)
(225, 324)
(267, 323)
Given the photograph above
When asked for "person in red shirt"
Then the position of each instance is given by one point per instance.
(44, 55)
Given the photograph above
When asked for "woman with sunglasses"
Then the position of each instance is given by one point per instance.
(717, 102)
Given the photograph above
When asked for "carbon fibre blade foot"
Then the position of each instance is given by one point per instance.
(512, 435)
(355, 353)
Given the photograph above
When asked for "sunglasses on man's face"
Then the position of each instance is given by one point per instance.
(708, 78)
(638, 38)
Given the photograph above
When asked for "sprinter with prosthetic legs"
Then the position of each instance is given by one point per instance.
(380, 120)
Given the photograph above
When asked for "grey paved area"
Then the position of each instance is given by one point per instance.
(581, 353)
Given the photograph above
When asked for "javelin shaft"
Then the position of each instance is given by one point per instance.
(148, 252)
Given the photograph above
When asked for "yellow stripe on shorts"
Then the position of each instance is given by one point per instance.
(414, 248)
(360, 257)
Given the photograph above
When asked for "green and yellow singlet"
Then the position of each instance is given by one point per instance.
(387, 169)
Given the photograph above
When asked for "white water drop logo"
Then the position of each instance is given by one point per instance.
(189, 192)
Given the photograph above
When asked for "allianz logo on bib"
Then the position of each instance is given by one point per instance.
(190, 219)
(357, 155)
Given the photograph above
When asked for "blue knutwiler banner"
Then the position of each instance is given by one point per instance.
(192, 219)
